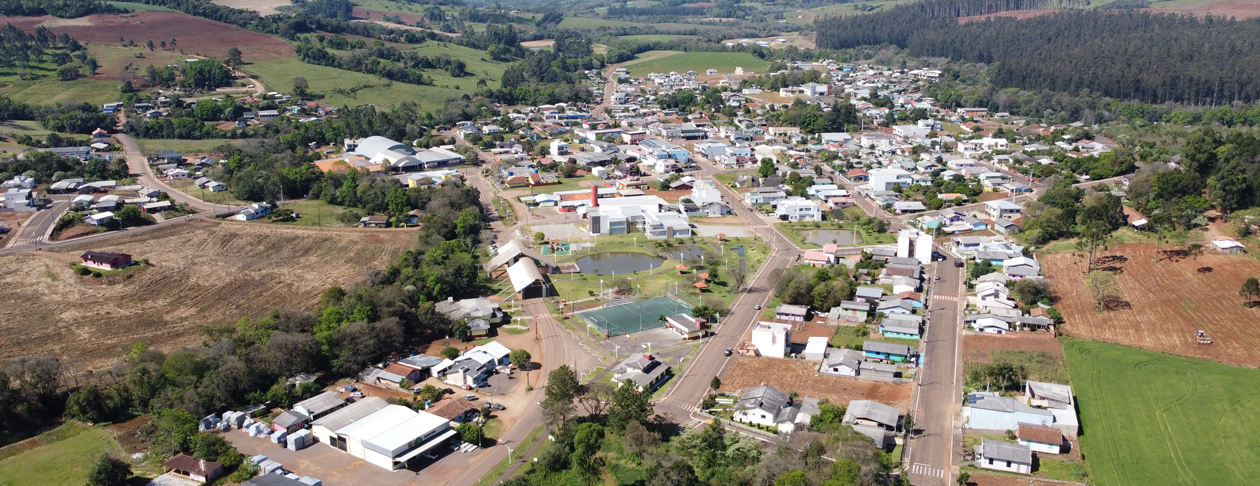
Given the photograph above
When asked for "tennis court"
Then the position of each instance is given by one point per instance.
(634, 316)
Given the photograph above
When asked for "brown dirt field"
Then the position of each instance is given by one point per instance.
(202, 273)
(976, 346)
(369, 14)
(982, 479)
(1239, 9)
(1161, 307)
(263, 7)
(128, 433)
(815, 328)
(802, 376)
(74, 232)
(1018, 14)
(192, 34)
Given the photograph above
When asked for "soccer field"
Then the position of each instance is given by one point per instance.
(1151, 418)
(633, 317)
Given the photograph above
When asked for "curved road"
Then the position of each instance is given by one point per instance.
(138, 166)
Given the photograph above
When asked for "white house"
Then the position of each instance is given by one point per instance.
(1001, 209)
(988, 411)
(254, 211)
(1046, 440)
(559, 147)
(842, 362)
(1004, 456)
(797, 208)
(772, 338)
(872, 419)
(768, 406)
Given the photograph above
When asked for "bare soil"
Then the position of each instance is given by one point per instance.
(202, 273)
(802, 376)
(193, 35)
(128, 433)
(1160, 307)
(263, 7)
(982, 479)
(976, 346)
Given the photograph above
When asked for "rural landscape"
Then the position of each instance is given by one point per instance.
(648, 243)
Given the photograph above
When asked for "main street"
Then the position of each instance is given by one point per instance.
(937, 406)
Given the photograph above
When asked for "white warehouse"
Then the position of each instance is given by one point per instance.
(385, 435)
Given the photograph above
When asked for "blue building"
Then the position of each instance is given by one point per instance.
(888, 352)
(988, 411)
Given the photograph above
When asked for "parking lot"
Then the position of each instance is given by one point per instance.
(337, 468)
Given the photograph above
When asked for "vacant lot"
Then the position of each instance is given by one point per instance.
(802, 376)
(193, 35)
(977, 346)
(1151, 418)
(1160, 307)
(263, 7)
(202, 273)
(723, 62)
(60, 457)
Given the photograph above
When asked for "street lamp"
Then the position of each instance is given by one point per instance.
(509, 453)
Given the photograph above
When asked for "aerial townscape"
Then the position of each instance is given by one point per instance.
(629, 243)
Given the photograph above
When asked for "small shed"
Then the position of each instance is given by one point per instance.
(816, 348)
(1228, 246)
(199, 470)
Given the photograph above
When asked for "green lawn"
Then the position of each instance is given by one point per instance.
(1152, 418)
(46, 91)
(279, 74)
(189, 187)
(724, 62)
(186, 146)
(63, 458)
(313, 212)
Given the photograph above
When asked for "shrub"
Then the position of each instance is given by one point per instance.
(97, 274)
(82, 270)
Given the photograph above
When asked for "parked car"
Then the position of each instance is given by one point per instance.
(497, 406)
(448, 391)
(357, 394)
(958, 263)
(470, 397)
(728, 352)
(757, 307)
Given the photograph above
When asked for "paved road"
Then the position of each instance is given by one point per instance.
(937, 404)
(33, 235)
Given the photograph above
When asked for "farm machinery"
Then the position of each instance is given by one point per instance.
(1202, 337)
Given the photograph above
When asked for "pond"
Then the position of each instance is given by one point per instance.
(608, 263)
(823, 237)
(682, 252)
(739, 250)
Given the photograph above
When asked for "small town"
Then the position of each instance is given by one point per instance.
(801, 246)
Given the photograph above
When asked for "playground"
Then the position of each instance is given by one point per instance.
(628, 316)
(555, 247)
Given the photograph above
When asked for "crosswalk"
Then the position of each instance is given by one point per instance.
(28, 241)
(926, 470)
(950, 298)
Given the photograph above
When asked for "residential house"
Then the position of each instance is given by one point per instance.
(1004, 456)
(789, 312)
(1001, 209)
(892, 305)
(686, 326)
(1228, 246)
(642, 371)
(288, 421)
(475, 366)
(105, 260)
(199, 470)
(991, 325)
(899, 329)
(769, 407)
(797, 208)
(842, 362)
(458, 410)
(817, 258)
(1046, 440)
(849, 311)
(254, 211)
(1006, 226)
(377, 221)
(888, 352)
(989, 411)
(869, 294)
(872, 419)
(772, 338)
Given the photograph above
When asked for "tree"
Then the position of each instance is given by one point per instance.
(629, 405)
(469, 433)
(795, 477)
(586, 444)
(521, 360)
(109, 471)
(299, 87)
(637, 439)
(715, 383)
(1194, 251)
(562, 388)
(1093, 236)
(766, 168)
(1250, 289)
(172, 429)
(907, 424)
(234, 56)
(1030, 291)
(450, 352)
(67, 72)
(87, 404)
(963, 477)
(1102, 285)
(149, 44)
(595, 397)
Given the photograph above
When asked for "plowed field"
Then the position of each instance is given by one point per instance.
(802, 376)
(1160, 307)
(202, 273)
(976, 346)
(192, 35)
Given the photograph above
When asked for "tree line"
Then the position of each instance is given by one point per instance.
(67, 9)
(289, 26)
(1125, 54)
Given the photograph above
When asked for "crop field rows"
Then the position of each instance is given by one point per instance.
(1160, 307)
(202, 273)
(802, 376)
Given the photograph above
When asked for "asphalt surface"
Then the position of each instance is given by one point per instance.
(139, 168)
(937, 406)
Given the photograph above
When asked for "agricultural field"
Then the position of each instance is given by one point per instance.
(61, 456)
(802, 376)
(1160, 307)
(193, 35)
(263, 7)
(724, 62)
(47, 91)
(593, 23)
(358, 88)
(649, 37)
(1151, 418)
(141, 7)
(230, 270)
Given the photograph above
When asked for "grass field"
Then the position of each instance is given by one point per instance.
(201, 273)
(140, 7)
(724, 62)
(313, 212)
(62, 457)
(1151, 418)
(279, 74)
(592, 23)
(48, 91)
(649, 37)
(186, 146)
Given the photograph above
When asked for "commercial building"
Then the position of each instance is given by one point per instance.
(386, 435)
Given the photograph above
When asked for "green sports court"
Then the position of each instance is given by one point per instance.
(625, 317)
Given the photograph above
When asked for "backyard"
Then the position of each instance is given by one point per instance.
(61, 456)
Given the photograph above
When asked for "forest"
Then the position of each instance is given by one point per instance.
(68, 9)
(1124, 54)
